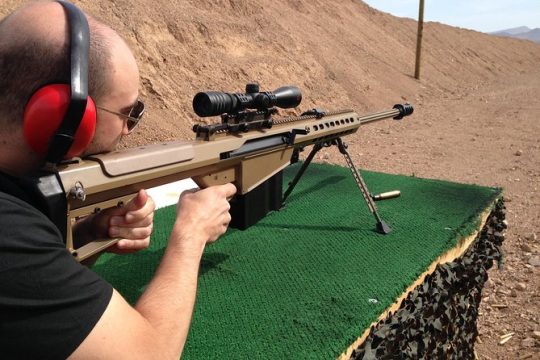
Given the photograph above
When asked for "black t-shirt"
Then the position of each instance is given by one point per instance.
(49, 303)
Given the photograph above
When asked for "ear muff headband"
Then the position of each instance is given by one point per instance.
(80, 47)
(47, 109)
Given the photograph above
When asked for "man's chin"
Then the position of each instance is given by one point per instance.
(96, 148)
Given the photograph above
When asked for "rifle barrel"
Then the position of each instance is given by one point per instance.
(397, 112)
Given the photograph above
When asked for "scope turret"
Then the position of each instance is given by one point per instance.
(214, 103)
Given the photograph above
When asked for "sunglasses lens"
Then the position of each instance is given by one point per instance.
(138, 110)
(131, 123)
(135, 115)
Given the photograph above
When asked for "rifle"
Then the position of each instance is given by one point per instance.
(249, 147)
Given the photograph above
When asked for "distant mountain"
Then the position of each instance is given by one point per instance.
(522, 32)
(512, 31)
(533, 35)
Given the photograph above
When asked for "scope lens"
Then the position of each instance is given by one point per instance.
(287, 97)
(213, 103)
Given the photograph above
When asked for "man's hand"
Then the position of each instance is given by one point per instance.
(202, 215)
(132, 223)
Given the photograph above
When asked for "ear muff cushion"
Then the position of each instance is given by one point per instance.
(45, 112)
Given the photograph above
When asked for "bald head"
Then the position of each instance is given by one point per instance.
(34, 51)
(42, 21)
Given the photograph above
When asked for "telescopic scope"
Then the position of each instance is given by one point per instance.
(214, 103)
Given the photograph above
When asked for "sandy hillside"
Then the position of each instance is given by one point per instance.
(476, 106)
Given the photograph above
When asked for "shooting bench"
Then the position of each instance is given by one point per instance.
(314, 280)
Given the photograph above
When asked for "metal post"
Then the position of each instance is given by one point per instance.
(419, 39)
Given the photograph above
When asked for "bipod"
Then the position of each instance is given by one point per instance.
(316, 147)
(382, 227)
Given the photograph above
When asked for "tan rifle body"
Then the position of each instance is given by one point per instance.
(245, 159)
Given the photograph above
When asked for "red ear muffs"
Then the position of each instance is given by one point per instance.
(45, 112)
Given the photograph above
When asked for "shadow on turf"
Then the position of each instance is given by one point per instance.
(332, 180)
(129, 274)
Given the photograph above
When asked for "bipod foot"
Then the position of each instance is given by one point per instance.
(383, 228)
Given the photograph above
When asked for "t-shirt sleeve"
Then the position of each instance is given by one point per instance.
(49, 303)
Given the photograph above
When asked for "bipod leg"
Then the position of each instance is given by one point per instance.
(382, 227)
(292, 184)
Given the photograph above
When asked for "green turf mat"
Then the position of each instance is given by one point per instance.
(306, 281)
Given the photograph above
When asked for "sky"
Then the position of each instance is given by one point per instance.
(480, 15)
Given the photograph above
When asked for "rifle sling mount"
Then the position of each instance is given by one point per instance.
(382, 227)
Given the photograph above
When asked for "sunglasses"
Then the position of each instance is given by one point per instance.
(134, 116)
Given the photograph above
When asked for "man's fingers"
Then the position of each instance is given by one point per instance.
(138, 220)
(139, 208)
(132, 219)
(228, 190)
(129, 246)
(133, 244)
(138, 202)
(130, 233)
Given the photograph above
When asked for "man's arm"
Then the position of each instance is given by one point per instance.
(159, 323)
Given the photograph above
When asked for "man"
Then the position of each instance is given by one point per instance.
(50, 306)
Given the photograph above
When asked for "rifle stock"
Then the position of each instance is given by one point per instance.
(246, 159)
